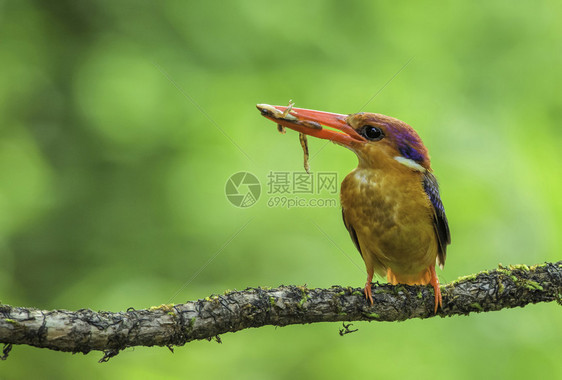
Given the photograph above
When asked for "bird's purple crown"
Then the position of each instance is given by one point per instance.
(409, 144)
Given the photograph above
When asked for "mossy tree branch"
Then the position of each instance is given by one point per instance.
(174, 325)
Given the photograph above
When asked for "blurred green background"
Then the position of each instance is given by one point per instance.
(112, 180)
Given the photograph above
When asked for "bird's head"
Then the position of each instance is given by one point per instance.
(374, 138)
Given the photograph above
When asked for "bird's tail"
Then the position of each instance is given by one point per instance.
(422, 278)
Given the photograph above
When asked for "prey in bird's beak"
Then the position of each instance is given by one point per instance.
(314, 123)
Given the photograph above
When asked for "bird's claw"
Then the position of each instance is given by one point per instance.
(368, 293)
(437, 290)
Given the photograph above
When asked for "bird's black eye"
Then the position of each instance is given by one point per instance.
(372, 133)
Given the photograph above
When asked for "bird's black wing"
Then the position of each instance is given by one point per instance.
(440, 223)
(352, 233)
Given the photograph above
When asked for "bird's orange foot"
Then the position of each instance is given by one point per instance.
(368, 294)
(435, 283)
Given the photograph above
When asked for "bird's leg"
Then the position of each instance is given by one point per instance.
(435, 283)
(368, 294)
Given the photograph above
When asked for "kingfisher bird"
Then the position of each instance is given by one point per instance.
(391, 204)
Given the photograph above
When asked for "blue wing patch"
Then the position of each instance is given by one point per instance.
(440, 222)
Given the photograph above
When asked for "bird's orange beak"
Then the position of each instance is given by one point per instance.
(312, 123)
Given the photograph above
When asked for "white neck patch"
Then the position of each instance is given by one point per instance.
(410, 163)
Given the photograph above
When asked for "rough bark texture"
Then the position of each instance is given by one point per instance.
(170, 325)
